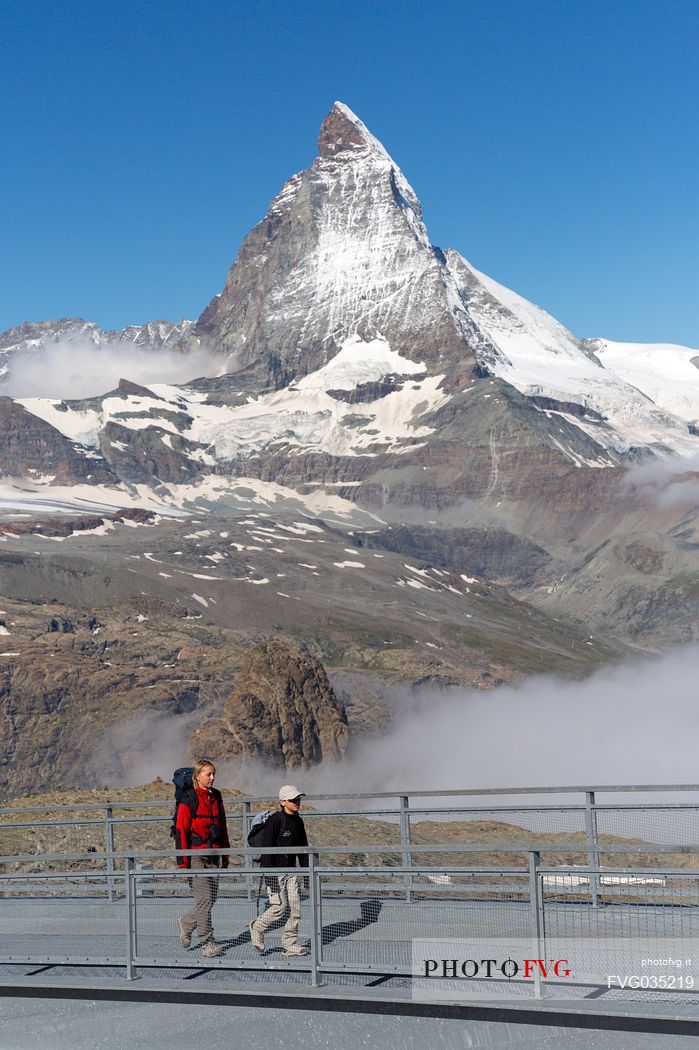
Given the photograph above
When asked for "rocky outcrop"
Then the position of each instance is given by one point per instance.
(153, 454)
(282, 711)
(571, 408)
(125, 386)
(56, 527)
(29, 445)
(65, 525)
(365, 392)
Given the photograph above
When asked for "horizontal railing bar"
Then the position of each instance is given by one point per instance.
(65, 875)
(236, 800)
(92, 806)
(166, 817)
(87, 822)
(574, 789)
(568, 807)
(620, 896)
(66, 960)
(644, 806)
(670, 873)
(675, 880)
(224, 964)
(337, 888)
(311, 813)
(397, 847)
(606, 869)
(158, 873)
(368, 814)
(162, 873)
(446, 869)
(424, 870)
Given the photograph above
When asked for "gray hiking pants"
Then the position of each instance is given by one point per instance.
(287, 899)
(205, 892)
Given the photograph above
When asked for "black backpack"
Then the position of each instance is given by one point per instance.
(184, 792)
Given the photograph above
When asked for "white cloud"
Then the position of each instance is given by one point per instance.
(635, 723)
(75, 368)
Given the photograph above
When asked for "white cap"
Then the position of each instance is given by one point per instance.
(289, 791)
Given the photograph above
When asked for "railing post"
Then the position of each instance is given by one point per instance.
(593, 846)
(316, 920)
(109, 849)
(536, 914)
(405, 842)
(131, 935)
(246, 827)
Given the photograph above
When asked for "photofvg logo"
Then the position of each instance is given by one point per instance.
(509, 969)
(469, 967)
(624, 966)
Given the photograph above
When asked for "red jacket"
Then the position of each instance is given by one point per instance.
(205, 830)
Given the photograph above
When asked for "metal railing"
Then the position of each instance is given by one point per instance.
(361, 919)
(583, 826)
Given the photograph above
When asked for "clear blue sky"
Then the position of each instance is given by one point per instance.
(554, 143)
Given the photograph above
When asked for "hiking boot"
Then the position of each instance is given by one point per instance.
(257, 940)
(295, 949)
(211, 949)
(185, 935)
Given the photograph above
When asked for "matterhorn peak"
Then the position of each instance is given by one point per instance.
(342, 131)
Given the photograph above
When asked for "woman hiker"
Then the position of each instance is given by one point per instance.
(200, 824)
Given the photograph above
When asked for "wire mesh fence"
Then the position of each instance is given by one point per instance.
(60, 919)
(620, 922)
(368, 921)
(639, 934)
(653, 824)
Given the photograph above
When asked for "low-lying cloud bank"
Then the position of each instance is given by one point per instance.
(79, 368)
(635, 723)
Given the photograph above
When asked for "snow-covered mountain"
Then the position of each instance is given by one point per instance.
(343, 251)
(363, 378)
(541, 358)
(666, 373)
(361, 358)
